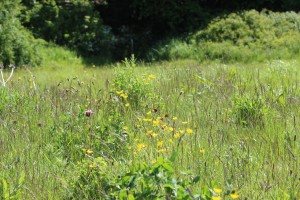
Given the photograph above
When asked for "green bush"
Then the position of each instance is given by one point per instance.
(17, 44)
(93, 180)
(74, 23)
(239, 37)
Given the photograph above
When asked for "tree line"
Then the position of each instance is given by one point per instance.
(111, 28)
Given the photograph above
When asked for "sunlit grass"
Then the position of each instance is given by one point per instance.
(189, 108)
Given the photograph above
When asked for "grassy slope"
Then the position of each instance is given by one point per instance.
(260, 161)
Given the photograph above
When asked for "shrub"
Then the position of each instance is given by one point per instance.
(158, 181)
(73, 23)
(243, 36)
(17, 44)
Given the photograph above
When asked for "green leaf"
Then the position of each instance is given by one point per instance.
(5, 190)
(173, 156)
(22, 178)
(196, 179)
(130, 197)
(168, 167)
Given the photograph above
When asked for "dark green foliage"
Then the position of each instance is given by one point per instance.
(95, 181)
(17, 44)
(243, 36)
(71, 23)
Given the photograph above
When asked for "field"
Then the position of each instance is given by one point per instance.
(166, 130)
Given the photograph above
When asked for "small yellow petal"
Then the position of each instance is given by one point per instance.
(234, 196)
(218, 190)
(89, 151)
(216, 198)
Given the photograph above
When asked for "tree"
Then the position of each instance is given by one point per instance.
(17, 45)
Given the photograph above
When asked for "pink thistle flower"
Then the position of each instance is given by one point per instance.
(88, 113)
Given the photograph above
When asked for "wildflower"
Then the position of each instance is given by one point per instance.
(216, 198)
(155, 123)
(176, 135)
(141, 146)
(149, 113)
(154, 134)
(125, 128)
(160, 143)
(171, 129)
(202, 151)
(152, 76)
(189, 130)
(88, 113)
(127, 105)
(147, 120)
(119, 92)
(234, 196)
(162, 150)
(184, 123)
(171, 141)
(89, 151)
(124, 96)
(174, 118)
(218, 190)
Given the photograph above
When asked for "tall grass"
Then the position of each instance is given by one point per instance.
(235, 126)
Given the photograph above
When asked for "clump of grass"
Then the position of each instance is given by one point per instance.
(248, 111)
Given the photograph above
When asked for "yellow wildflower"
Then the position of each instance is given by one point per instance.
(89, 151)
(234, 196)
(184, 123)
(189, 130)
(141, 146)
(171, 129)
(119, 92)
(160, 143)
(171, 141)
(202, 151)
(152, 76)
(127, 105)
(176, 135)
(218, 190)
(124, 96)
(216, 198)
(155, 122)
(147, 120)
(154, 134)
(162, 150)
(174, 118)
(149, 113)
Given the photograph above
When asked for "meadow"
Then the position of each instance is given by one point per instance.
(176, 129)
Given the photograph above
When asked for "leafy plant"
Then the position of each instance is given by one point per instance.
(152, 182)
(248, 111)
(11, 191)
(131, 85)
(17, 44)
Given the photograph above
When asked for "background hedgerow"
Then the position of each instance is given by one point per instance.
(244, 36)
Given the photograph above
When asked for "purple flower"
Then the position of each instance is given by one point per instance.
(88, 113)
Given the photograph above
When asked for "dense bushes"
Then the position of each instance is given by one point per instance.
(17, 44)
(243, 36)
(71, 23)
